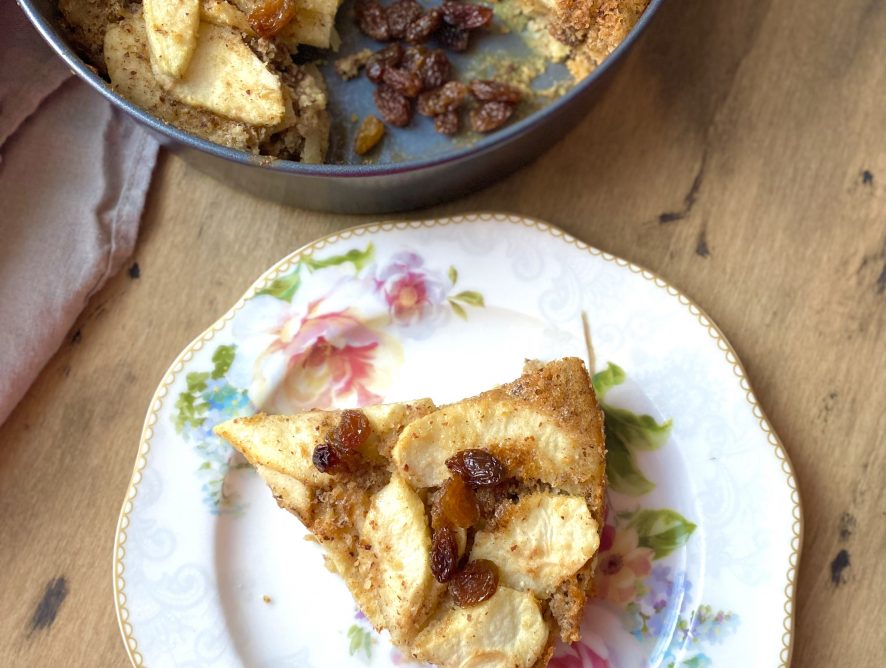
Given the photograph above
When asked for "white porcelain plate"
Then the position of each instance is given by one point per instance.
(699, 554)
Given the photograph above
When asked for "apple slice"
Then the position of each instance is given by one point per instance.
(223, 13)
(506, 630)
(313, 26)
(227, 78)
(532, 443)
(539, 542)
(173, 26)
(396, 530)
(285, 443)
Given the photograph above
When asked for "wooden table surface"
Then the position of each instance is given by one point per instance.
(741, 154)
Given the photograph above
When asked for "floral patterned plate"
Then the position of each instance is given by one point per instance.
(699, 553)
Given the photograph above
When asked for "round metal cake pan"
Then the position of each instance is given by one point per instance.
(375, 188)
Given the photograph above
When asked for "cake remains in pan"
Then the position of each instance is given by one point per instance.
(243, 73)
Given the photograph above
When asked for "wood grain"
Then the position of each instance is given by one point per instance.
(740, 154)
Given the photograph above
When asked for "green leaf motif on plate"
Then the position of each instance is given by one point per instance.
(196, 381)
(190, 406)
(284, 287)
(358, 258)
(458, 309)
(605, 380)
(222, 359)
(208, 399)
(470, 297)
(622, 471)
(360, 640)
(626, 434)
(642, 432)
(465, 297)
(663, 531)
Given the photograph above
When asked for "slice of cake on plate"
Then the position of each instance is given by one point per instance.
(468, 531)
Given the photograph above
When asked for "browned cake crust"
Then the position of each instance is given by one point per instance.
(566, 392)
(594, 28)
(591, 28)
(563, 390)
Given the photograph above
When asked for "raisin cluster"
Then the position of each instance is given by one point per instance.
(470, 582)
(340, 452)
(424, 77)
(420, 78)
(451, 23)
(402, 75)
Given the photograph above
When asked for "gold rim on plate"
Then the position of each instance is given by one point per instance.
(284, 265)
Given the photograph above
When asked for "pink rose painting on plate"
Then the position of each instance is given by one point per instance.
(334, 346)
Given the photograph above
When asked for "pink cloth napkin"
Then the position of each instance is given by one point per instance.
(74, 173)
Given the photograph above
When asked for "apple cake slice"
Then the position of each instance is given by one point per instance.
(468, 531)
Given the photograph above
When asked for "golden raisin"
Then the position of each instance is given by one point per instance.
(458, 503)
(478, 468)
(353, 426)
(474, 584)
(271, 16)
(370, 133)
(444, 554)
